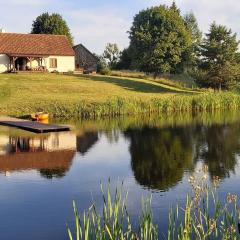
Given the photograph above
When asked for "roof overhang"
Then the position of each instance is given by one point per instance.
(26, 55)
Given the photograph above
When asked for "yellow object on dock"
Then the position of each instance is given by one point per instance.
(39, 116)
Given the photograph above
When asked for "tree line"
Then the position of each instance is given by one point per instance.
(162, 40)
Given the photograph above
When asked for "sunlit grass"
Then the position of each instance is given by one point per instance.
(97, 96)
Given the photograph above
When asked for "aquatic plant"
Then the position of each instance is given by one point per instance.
(203, 216)
(114, 222)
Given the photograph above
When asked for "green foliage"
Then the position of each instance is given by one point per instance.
(102, 66)
(111, 54)
(125, 59)
(219, 66)
(114, 223)
(51, 24)
(190, 56)
(158, 39)
(192, 25)
(203, 216)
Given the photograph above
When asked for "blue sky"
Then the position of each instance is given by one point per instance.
(97, 22)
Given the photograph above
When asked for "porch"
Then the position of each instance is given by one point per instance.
(24, 63)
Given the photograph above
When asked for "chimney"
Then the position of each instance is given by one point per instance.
(2, 30)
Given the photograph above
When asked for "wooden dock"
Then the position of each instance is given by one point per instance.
(31, 126)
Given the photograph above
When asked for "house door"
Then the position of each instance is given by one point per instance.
(21, 64)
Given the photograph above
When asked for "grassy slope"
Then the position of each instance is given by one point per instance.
(65, 95)
(18, 91)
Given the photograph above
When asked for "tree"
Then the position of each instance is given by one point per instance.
(102, 66)
(190, 56)
(175, 8)
(111, 54)
(125, 59)
(51, 24)
(158, 38)
(219, 63)
(192, 25)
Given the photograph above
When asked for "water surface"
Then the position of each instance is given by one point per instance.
(40, 175)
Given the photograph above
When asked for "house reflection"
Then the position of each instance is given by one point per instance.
(50, 154)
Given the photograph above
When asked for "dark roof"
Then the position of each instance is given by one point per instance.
(80, 45)
(35, 44)
(36, 160)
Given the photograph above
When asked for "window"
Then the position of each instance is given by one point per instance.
(53, 62)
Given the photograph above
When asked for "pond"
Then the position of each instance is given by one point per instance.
(40, 175)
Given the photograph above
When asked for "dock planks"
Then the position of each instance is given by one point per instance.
(31, 126)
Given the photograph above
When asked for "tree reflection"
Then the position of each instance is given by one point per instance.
(160, 156)
(217, 147)
(53, 173)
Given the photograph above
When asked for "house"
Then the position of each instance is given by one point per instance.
(85, 61)
(35, 52)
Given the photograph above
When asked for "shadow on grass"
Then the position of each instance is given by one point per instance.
(133, 85)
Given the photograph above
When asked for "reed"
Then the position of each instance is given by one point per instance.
(118, 106)
(114, 222)
(203, 216)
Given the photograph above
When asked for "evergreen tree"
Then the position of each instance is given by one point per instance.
(219, 62)
(51, 24)
(125, 59)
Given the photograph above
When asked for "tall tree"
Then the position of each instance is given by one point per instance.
(111, 54)
(51, 24)
(174, 7)
(191, 55)
(192, 25)
(125, 59)
(158, 38)
(219, 61)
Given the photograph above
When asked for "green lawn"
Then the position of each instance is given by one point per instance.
(67, 95)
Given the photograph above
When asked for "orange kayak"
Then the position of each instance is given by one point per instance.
(39, 116)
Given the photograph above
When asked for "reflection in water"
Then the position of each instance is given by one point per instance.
(218, 147)
(50, 154)
(160, 156)
(157, 152)
(53, 173)
(21, 144)
(86, 141)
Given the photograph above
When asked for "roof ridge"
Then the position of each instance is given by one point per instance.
(44, 34)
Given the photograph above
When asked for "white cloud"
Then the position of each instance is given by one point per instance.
(96, 28)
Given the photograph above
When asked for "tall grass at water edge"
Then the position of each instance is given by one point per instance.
(203, 216)
(123, 106)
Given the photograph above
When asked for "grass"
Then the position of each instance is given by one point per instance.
(97, 96)
(203, 216)
(178, 80)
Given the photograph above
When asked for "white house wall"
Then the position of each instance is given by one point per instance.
(64, 63)
(4, 63)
